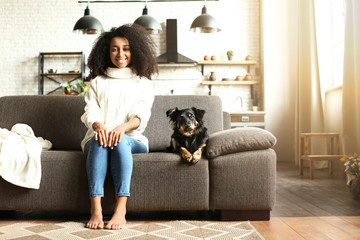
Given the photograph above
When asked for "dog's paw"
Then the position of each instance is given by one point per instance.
(186, 155)
(197, 156)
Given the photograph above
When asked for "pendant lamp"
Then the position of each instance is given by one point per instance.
(88, 24)
(205, 23)
(148, 22)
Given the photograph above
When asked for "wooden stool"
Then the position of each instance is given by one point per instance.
(334, 152)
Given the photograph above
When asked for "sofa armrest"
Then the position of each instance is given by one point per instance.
(239, 140)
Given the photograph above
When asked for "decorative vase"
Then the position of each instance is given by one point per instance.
(255, 108)
(230, 57)
(355, 187)
(67, 92)
(212, 76)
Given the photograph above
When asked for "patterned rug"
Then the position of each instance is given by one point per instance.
(134, 231)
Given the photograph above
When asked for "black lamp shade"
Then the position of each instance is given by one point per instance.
(148, 22)
(88, 24)
(205, 23)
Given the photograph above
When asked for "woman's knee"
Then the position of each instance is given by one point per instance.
(123, 144)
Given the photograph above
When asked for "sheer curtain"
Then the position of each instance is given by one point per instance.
(309, 117)
(351, 81)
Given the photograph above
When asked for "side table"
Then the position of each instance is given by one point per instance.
(334, 151)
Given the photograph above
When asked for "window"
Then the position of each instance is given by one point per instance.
(338, 32)
(330, 30)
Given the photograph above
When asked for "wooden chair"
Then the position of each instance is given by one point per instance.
(333, 155)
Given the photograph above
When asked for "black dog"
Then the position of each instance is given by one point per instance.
(190, 134)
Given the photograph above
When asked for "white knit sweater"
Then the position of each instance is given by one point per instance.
(117, 98)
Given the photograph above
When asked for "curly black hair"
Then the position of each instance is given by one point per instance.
(143, 61)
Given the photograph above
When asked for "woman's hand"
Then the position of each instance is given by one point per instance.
(111, 138)
(115, 135)
(101, 133)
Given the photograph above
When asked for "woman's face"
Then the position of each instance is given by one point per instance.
(120, 53)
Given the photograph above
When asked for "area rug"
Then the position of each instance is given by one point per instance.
(134, 231)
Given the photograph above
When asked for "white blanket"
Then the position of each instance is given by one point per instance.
(20, 152)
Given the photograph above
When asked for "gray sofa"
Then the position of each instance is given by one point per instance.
(236, 176)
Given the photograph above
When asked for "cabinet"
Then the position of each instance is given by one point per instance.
(247, 119)
(54, 75)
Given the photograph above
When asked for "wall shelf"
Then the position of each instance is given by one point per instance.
(242, 62)
(52, 75)
(228, 83)
(213, 63)
(242, 82)
(61, 74)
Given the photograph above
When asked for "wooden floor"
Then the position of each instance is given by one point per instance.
(322, 208)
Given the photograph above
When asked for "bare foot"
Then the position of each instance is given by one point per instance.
(117, 221)
(96, 221)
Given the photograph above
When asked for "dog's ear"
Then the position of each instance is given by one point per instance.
(171, 113)
(199, 114)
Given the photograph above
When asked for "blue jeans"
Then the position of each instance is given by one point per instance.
(121, 165)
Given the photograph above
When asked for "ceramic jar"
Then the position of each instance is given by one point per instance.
(212, 76)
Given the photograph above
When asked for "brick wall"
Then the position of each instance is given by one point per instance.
(30, 27)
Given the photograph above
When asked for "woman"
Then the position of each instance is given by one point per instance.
(118, 105)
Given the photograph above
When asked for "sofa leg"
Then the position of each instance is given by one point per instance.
(244, 215)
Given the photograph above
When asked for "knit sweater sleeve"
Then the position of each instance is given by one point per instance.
(92, 108)
(142, 108)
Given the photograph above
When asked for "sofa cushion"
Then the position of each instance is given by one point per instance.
(55, 127)
(162, 181)
(55, 118)
(239, 140)
(159, 129)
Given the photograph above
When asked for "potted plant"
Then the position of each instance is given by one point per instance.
(255, 101)
(83, 86)
(230, 54)
(68, 88)
(352, 170)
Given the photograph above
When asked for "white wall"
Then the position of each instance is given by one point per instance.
(280, 72)
(29, 27)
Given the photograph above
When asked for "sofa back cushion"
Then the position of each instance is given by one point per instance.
(57, 118)
(159, 128)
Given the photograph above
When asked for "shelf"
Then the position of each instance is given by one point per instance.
(219, 63)
(63, 74)
(60, 53)
(54, 76)
(242, 82)
(177, 64)
(242, 62)
(228, 83)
